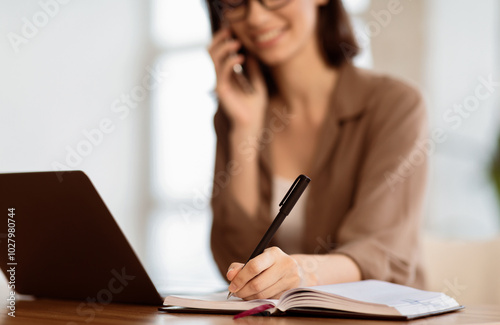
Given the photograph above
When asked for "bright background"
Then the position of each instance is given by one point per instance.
(84, 61)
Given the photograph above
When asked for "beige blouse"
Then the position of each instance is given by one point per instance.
(289, 235)
(367, 183)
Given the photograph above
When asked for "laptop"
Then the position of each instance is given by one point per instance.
(58, 240)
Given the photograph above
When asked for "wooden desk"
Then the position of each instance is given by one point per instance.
(46, 311)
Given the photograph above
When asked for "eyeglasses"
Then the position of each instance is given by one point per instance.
(235, 10)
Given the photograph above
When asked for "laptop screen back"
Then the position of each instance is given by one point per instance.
(66, 244)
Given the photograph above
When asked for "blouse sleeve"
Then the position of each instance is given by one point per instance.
(380, 231)
(231, 224)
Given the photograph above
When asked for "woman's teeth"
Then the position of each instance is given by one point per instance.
(268, 36)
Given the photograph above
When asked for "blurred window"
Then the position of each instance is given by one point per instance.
(183, 147)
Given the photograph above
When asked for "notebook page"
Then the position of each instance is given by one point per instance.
(408, 301)
(216, 301)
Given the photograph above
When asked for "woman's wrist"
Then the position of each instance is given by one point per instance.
(327, 269)
(246, 129)
(245, 142)
(239, 134)
(307, 265)
(244, 185)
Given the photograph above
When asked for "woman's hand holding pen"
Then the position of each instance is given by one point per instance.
(268, 275)
(246, 110)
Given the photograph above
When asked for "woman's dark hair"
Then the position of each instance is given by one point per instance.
(335, 35)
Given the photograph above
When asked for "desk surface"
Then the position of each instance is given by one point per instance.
(46, 311)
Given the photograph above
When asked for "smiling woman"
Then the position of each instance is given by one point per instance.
(346, 128)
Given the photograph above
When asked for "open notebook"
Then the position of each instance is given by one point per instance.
(369, 298)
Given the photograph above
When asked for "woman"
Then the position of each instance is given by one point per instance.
(354, 132)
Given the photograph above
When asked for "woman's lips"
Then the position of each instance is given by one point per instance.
(268, 38)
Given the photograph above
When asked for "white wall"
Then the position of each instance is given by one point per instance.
(445, 46)
(63, 81)
(463, 39)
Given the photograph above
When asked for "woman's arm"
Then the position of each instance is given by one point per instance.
(244, 184)
(238, 124)
(245, 112)
(378, 238)
(381, 230)
(327, 269)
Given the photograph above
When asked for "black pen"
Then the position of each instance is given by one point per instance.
(291, 197)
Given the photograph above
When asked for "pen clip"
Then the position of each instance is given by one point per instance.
(290, 190)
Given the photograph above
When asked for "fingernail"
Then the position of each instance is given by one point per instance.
(231, 268)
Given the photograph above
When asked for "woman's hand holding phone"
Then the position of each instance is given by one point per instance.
(245, 108)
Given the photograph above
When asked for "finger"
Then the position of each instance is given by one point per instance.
(284, 271)
(254, 72)
(227, 69)
(221, 58)
(222, 48)
(224, 76)
(256, 287)
(219, 37)
(224, 51)
(233, 269)
(274, 291)
(253, 268)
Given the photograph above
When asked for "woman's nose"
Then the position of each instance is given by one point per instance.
(257, 13)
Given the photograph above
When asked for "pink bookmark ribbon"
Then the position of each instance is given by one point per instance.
(254, 311)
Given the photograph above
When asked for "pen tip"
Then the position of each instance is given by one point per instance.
(229, 295)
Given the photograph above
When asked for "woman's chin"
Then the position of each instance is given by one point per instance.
(272, 60)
